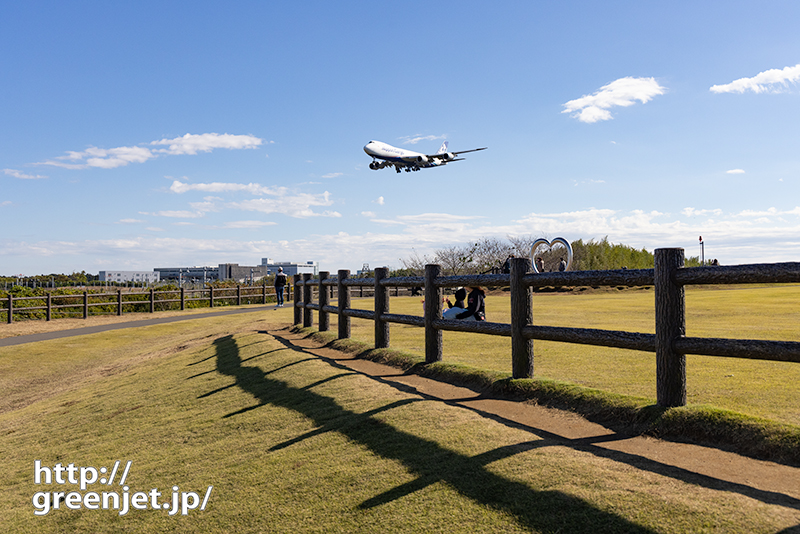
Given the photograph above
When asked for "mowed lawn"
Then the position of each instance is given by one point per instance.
(759, 388)
(294, 443)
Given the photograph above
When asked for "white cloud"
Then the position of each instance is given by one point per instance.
(224, 187)
(130, 221)
(691, 212)
(193, 143)
(179, 214)
(769, 81)
(745, 237)
(369, 214)
(436, 217)
(332, 175)
(298, 205)
(5, 203)
(771, 212)
(21, 175)
(189, 144)
(379, 201)
(248, 224)
(273, 199)
(413, 140)
(735, 171)
(623, 93)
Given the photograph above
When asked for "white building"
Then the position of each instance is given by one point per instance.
(121, 277)
(291, 268)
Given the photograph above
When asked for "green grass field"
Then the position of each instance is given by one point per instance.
(292, 443)
(758, 388)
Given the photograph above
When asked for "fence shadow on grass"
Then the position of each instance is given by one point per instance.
(590, 444)
(430, 462)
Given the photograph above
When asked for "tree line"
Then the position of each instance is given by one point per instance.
(489, 255)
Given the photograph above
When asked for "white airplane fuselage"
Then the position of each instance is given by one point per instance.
(379, 150)
(384, 155)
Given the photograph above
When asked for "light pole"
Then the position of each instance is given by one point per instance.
(702, 252)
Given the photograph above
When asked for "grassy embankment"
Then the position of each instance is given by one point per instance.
(747, 405)
(292, 443)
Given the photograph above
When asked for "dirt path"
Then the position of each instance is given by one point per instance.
(765, 481)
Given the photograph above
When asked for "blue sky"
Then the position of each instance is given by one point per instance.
(153, 134)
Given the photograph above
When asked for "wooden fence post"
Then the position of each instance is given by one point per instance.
(344, 303)
(521, 316)
(264, 293)
(49, 305)
(324, 317)
(297, 311)
(10, 308)
(238, 295)
(152, 300)
(381, 307)
(308, 319)
(211, 296)
(85, 304)
(432, 311)
(119, 301)
(183, 298)
(670, 325)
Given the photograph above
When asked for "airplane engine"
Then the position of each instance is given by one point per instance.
(422, 159)
(373, 166)
(449, 156)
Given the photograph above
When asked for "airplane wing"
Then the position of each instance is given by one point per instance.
(473, 150)
(451, 156)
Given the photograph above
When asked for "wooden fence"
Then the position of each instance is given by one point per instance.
(669, 343)
(131, 301)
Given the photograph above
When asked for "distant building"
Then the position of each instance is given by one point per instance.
(290, 268)
(242, 273)
(121, 277)
(233, 271)
(188, 274)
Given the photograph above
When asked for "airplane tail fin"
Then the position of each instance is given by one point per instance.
(443, 148)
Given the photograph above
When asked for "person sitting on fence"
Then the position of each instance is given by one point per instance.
(459, 307)
(476, 308)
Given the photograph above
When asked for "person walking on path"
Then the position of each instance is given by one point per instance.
(280, 284)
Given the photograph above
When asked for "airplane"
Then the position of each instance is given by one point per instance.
(384, 155)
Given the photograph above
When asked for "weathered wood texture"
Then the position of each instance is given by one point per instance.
(344, 303)
(671, 325)
(413, 320)
(521, 316)
(298, 311)
(753, 349)
(381, 308)
(324, 318)
(621, 277)
(307, 317)
(432, 312)
(590, 336)
(765, 273)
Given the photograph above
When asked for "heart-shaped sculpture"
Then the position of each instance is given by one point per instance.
(543, 243)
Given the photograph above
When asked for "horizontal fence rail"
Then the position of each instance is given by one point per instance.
(121, 301)
(669, 343)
